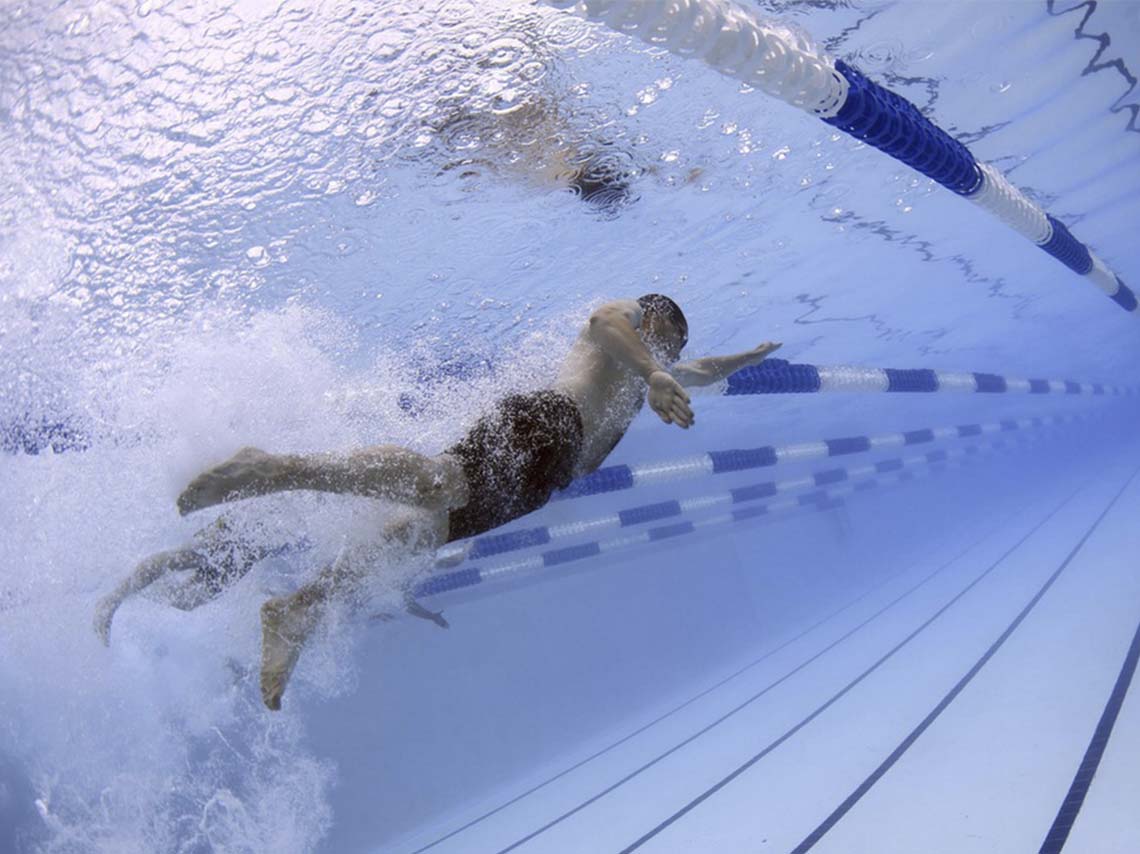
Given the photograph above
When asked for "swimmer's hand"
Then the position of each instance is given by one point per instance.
(669, 400)
(759, 353)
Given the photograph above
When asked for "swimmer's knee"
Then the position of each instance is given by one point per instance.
(449, 482)
(415, 529)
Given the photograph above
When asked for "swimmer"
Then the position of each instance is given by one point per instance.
(510, 462)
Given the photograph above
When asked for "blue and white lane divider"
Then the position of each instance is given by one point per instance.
(541, 535)
(777, 376)
(783, 63)
(820, 500)
(621, 477)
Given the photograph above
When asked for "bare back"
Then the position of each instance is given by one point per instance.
(608, 394)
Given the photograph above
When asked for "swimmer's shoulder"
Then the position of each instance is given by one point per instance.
(630, 309)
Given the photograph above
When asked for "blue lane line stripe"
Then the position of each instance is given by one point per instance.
(1124, 296)
(494, 544)
(739, 460)
(895, 126)
(848, 445)
(649, 513)
(917, 437)
(674, 530)
(1067, 249)
(991, 383)
(865, 786)
(619, 477)
(820, 499)
(742, 513)
(449, 581)
(1059, 833)
(756, 696)
(779, 376)
(829, 476)
(753, 492)
(842, 692)
(922, 379)
(773, 376)
(606, 479)
(554, 557)
(523, 538)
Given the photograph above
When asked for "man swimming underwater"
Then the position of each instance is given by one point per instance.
(508, 465)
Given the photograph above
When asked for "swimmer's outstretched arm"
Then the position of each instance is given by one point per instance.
(713, 369)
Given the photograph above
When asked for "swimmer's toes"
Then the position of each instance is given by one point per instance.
(271, 691)
(104, 614)
(189, 501)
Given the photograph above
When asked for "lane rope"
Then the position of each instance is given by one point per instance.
(783, 63)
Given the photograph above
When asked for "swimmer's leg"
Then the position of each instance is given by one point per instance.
(216, 556)
(145, 574)
(287, 622)
(225, 558)
(381, 471)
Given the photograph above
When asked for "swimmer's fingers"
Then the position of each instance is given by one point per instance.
(682, 415)
(677, 410)
(674, 409)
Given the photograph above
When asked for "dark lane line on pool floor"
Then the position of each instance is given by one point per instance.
(872, 618)
(840, 811)
(712, 790)
(1070, 808)
(704, 693)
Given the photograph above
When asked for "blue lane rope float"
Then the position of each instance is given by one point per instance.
(783, 63)
(817, 501)
(491, 545)
(621, 477)
(777, 376)
(772, 376)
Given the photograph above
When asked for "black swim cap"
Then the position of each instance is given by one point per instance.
(660, 304)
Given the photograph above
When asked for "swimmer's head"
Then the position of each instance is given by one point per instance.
(663, 325)
(606, 191)
(603, 177)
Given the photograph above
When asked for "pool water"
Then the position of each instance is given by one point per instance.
(311, 227)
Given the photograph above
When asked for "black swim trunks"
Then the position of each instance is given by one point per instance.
(514, 458)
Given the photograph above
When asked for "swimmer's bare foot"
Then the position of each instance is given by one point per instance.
(285, 624)
(104, 614)
(247, 473)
